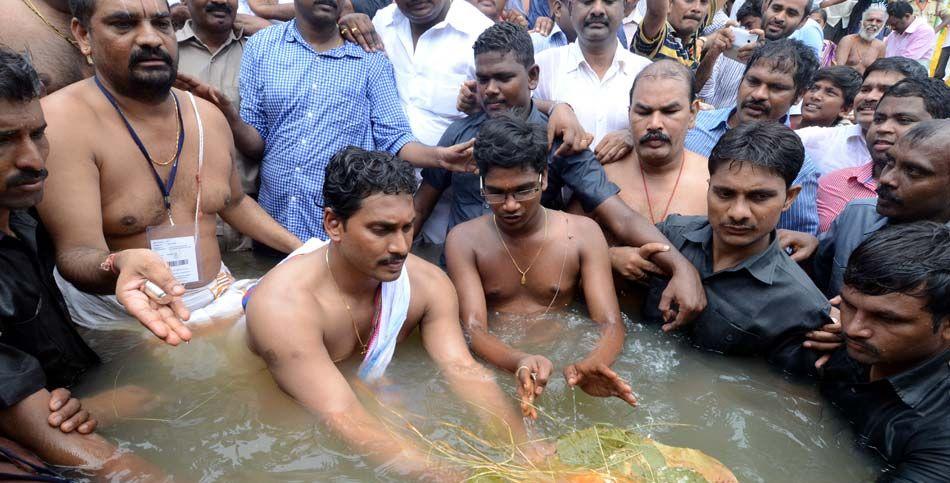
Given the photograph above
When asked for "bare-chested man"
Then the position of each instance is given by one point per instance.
(659, 176)
(863, 48)
(41, 28)
(357, 295)
(524, 258)
(124, 158)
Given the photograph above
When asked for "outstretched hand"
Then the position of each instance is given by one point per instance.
(563, 124)
(532, 375)
(598, 380)
(458, 157)
(162, 314)
(203, 90)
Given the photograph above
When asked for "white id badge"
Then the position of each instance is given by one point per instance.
(176, 245)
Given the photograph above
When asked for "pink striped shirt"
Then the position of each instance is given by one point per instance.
(837, 188)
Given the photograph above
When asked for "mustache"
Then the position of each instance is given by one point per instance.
(218, 7)
(886, 193)
(698, 18)
(602, 19)
(25, 177)
(760, 104)
(392, 260)
(149, 53)
(868, 347)
(654, 136)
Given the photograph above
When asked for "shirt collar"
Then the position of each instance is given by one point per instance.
(458, 18)
(187, 32)
(292, 35)
(761, 265)
(715, 120)
(913, 26)
(915, 384)
(576, 57)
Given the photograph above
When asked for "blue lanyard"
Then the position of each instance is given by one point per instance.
(165, 188)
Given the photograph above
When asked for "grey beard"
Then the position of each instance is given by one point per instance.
(868, 36)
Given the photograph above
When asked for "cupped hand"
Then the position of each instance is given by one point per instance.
(162, 316)
(599, 380)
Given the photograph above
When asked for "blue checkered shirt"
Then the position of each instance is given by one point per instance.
(803, 214)
(308, 105)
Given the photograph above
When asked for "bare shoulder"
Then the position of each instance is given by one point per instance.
(697, 162)
(621, 168)
(210, 114)
(71, 103)
(426, 278)
(467, 234)
(284, 293)
(584, 228)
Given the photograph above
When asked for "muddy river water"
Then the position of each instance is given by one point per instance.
(217, 415)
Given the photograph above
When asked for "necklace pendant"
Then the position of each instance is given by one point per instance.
(524, 279)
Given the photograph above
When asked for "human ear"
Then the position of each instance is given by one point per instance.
(333, 225)
(790, 195)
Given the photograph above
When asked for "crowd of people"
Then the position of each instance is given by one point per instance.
(771, 175)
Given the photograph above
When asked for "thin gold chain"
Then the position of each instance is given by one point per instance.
(345, 304)
(29, 4)
(524, 273)
(177, 139)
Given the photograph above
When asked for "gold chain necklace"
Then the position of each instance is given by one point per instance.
(345, 304)
(177, 139)
(29, 4)
(524, 273)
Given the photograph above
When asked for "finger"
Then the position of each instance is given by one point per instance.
(362, 41)
(177, 329)
(88, 427)
(648, 250)
(821, 346)
(58, 397)
(68, 411)
(822, 360)
(678, 321)
(72, 423)
(833, 328)
(572, 375)
(820, 336)
(798, 255)
(835, 301)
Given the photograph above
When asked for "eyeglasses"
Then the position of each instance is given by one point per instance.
(499, 198)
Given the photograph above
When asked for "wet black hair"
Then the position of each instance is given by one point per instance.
(667, 71)
(19, 81)
(934, 93)
(766, 144)
(354, 174)
(843, 77)
(903, 65)
(504, 37)
(787, 55)
(909, 258)
(898, 9)
(509, 141)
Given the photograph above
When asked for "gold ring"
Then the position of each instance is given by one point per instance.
(344, 29)
(355, 30)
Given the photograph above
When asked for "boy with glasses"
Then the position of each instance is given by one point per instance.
(523, 258)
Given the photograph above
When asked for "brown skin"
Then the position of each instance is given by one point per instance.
(871, 92)
(102, 195)
(823, 104)
(780, 18)
(745, 203)
(892, 119)
(858, 51)
(685, 16)
(423, 14)
(271, 10)
(58, 62)
(317, 23)
(913, 184)
(573, 255)
(765, 94)
(892, 333)
(212, 20)
(298, 324)
(900, 24)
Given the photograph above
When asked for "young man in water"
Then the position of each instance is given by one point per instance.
(506, 73)
(524, 258)
(359, 294)
(760, 302)
(892, 380)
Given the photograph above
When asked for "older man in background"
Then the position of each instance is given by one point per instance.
(861, 49)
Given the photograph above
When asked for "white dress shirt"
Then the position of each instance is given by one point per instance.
(599, 104)
(836, 147)
(428, 76)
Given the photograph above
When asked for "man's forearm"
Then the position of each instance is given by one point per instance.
(632, 229)
(472, 383)
(421, 156)
(81, 266)
(26, 424)
(271, 10)
(612, 334)
(494, 351)
(246, 138)
(250, 219)
(705, 69)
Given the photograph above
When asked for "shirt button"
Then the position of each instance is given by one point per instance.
(314, 86)
(303, 142)
(293, 198)
(730, 337)
(309, 115)
(297, 169)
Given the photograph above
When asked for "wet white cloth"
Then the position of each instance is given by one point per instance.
(394, 306)
(220, 298)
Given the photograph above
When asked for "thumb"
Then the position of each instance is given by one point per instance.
(572, 375)
(652, 248)
(836, 300)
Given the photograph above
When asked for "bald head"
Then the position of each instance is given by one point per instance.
(666, 72)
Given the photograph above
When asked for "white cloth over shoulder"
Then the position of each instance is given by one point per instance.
(394, 306)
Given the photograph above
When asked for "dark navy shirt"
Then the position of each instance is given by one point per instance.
(905, 418)
(760, 307)
(581, 173)
(38, 345)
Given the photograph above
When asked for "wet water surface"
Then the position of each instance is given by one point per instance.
(219, 416)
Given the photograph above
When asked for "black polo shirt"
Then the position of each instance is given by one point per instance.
(760, 307)
(38, 345)
(905, 418)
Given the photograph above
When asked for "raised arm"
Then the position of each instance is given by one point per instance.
(272, 10)
(655, 18)
(427, 196)
(470, 381)
(247, 139)
(284, 331)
